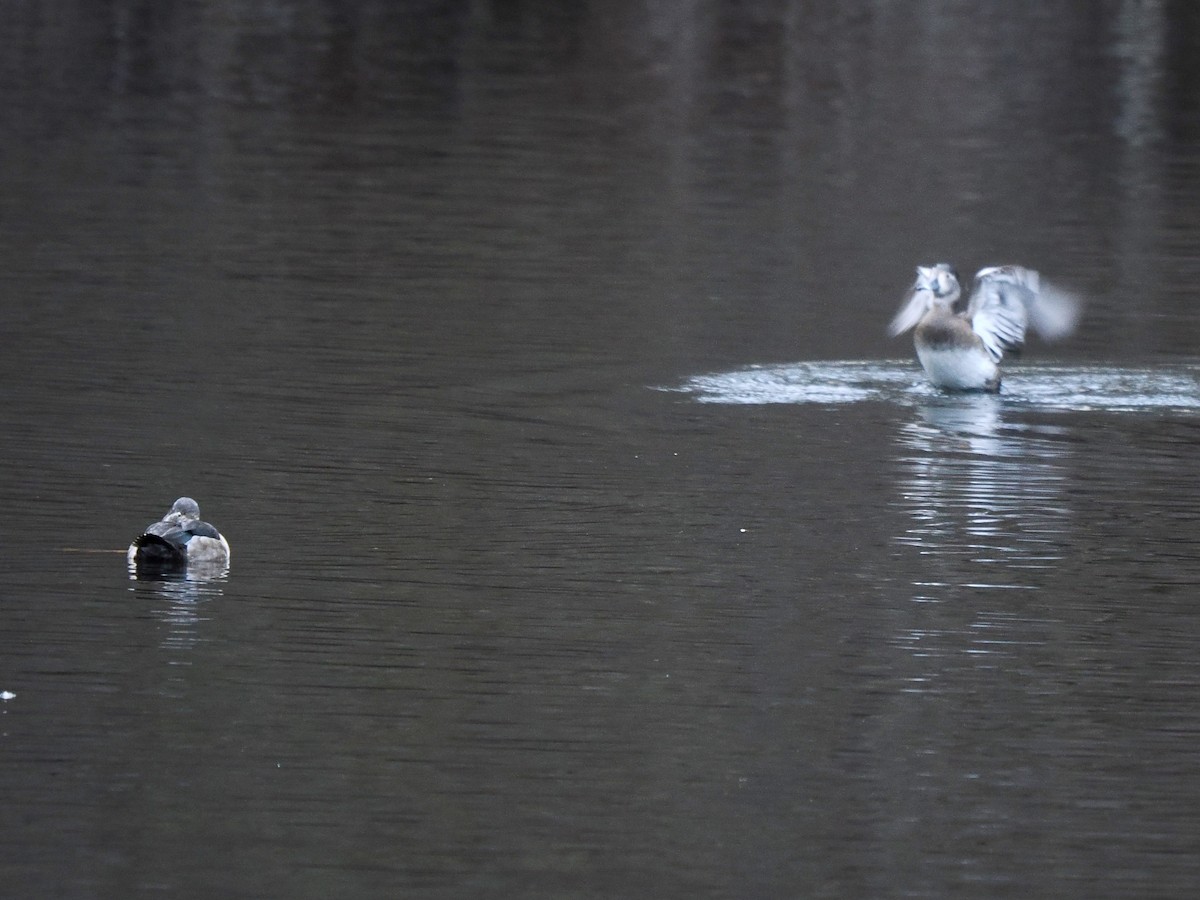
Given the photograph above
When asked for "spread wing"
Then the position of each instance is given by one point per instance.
(1054, 313)
(998, 308)
(1006, 299)
(916, 304)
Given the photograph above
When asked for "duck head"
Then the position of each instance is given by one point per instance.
(936, 285)
(941, 281)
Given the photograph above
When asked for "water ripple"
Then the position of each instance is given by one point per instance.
(1057, 387)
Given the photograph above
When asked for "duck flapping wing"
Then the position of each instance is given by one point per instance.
(1005, 300)
(916, 304)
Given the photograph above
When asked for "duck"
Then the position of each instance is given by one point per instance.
(179, 539)
(961, 349)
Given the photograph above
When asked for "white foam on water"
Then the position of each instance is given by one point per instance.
(1077, 388)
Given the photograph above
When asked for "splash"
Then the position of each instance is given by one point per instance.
(1051, 387)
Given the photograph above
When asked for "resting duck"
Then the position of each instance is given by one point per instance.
(961, 350)
(180, 538)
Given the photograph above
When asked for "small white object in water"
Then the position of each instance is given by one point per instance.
(7, 695)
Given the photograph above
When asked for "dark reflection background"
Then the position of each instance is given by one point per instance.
(387, 287)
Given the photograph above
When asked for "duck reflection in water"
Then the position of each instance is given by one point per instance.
(980, 487)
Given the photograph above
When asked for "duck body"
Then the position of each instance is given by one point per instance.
(961, 349)
(179, 539)
(952, 355)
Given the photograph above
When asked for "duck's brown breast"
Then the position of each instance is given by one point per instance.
(941, 330)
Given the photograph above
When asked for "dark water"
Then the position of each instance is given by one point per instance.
(588, 541)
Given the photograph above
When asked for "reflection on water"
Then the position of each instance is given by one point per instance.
(987, 514)
(179, 600)
(193, 575)
(982, 493)
(988, 517)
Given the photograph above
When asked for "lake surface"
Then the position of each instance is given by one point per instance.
(590, 537)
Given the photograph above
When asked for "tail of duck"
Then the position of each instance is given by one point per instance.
(150, 549)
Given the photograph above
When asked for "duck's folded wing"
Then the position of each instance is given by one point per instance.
(916, 304)
(171, 533)
(999, 307)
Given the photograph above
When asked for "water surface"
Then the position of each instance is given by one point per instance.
(590, 538)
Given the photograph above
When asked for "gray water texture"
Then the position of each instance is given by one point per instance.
(590, 536)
